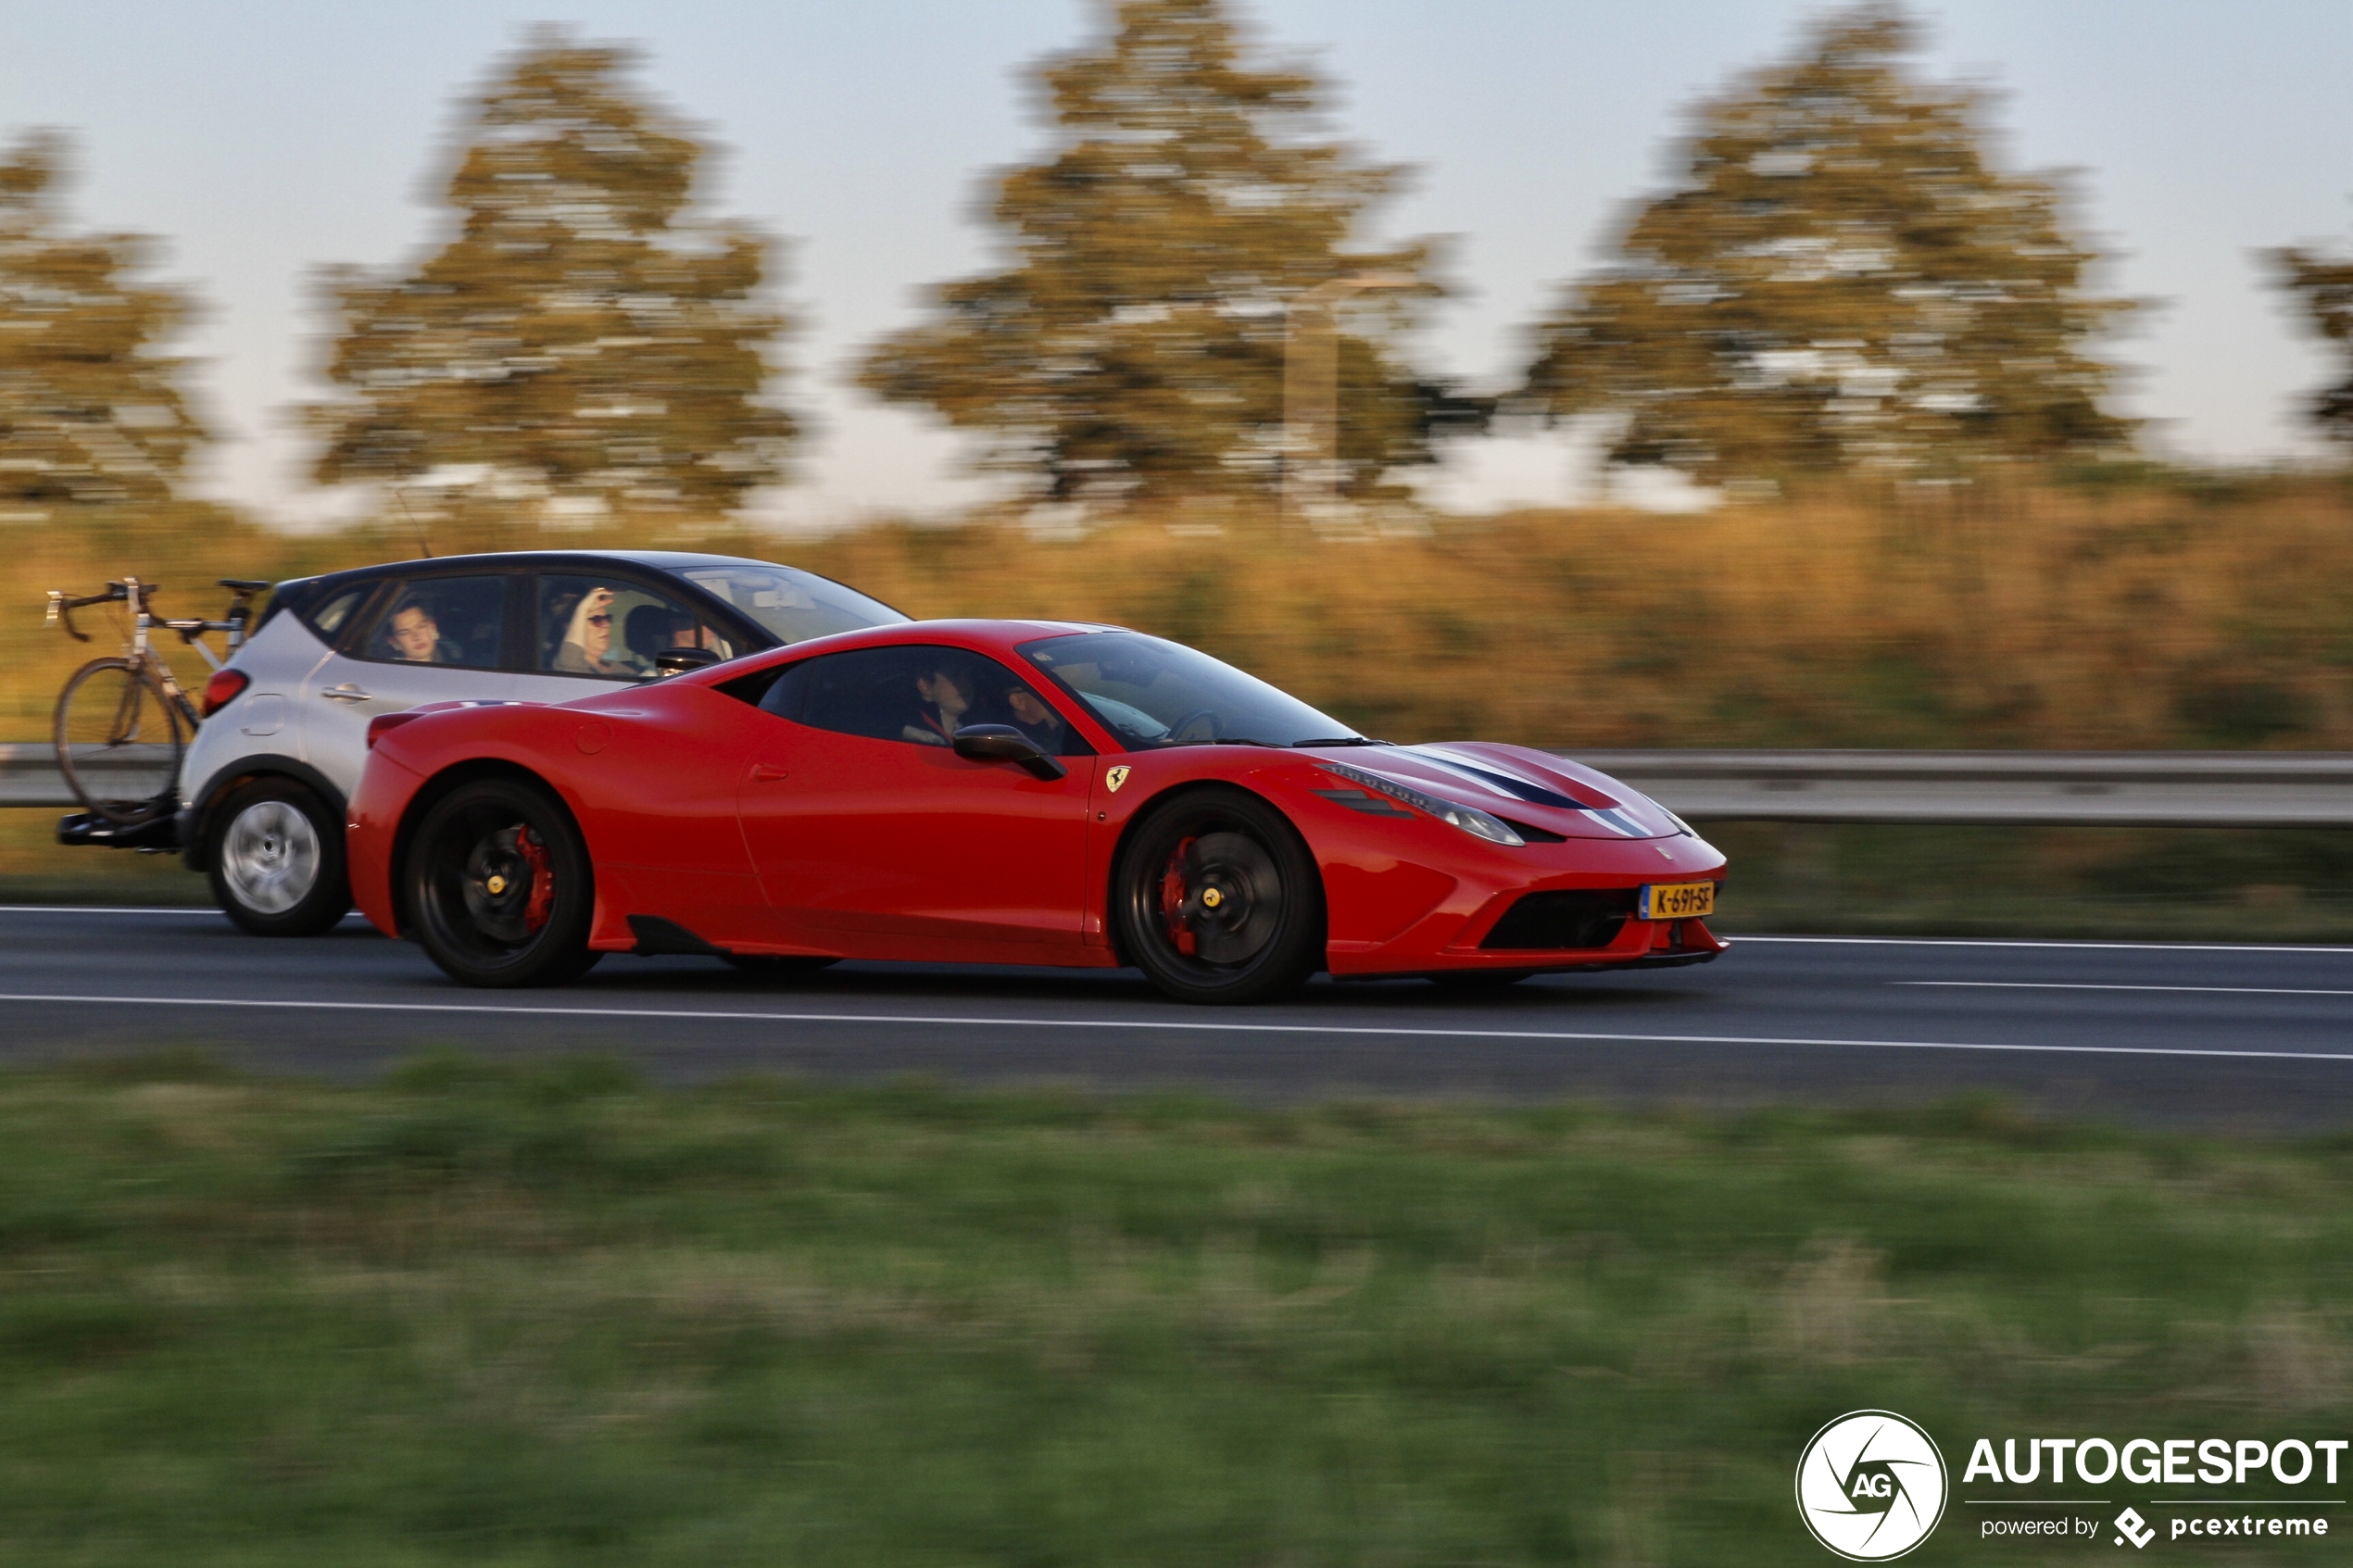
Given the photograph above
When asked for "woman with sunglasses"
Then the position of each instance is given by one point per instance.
(588, 644)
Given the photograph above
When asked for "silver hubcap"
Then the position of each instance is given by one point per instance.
(270, 856)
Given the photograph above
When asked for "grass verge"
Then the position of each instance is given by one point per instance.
(36, 869)
(526, 1317)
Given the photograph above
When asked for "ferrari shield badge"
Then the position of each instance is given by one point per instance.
(1114, 777)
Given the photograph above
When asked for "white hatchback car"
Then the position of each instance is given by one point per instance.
(263, 786)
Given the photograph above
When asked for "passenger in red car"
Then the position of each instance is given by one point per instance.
(941, 709)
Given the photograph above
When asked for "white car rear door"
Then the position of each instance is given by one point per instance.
(433, 638)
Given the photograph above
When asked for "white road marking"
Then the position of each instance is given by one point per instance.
(2090, 985)
(606, 1014)
(2063, 947)
(125, 909)
(105, 909)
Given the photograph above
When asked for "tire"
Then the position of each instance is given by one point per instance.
(1216, 900)
(500, 888)
(276, 854)
(1477, 980)
(778, 966)
(120, 742)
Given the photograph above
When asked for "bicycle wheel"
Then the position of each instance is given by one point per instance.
(119, 741)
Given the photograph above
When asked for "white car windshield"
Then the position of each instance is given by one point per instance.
(795, 606)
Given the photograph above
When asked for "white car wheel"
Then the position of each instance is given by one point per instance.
(270, 855)
(276, 858)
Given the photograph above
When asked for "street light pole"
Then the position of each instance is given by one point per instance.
(1311, 393)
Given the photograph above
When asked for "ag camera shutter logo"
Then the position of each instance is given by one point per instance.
(1871, 1486)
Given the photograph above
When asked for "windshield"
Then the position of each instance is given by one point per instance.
(795, 606)
(1150, 692)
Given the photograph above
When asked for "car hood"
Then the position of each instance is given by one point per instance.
(1518, 784)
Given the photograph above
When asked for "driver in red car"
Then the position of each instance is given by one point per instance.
(1034, 718)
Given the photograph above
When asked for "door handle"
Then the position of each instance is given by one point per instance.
(767, 773)
(345, 693)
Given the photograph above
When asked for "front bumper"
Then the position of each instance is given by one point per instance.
(1452, 934)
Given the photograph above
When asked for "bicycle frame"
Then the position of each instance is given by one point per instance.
(136, 594)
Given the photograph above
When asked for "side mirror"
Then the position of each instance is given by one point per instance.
(677, 661)
(1002, 743)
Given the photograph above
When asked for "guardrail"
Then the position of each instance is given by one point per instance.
(29, 774)
(2048, 788)
(2024, 788)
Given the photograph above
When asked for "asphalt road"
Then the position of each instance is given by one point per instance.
(2245, 1036)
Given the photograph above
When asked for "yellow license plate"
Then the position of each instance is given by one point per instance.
(1676, 900)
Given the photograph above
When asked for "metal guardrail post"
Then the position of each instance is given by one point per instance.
(2022, 788)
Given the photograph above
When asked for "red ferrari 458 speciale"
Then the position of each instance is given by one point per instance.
(1005, 792)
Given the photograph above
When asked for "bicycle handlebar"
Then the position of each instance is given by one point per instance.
(241, 592)
(62, 606)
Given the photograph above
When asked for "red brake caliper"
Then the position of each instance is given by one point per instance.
(543, 883)
(1172, 900)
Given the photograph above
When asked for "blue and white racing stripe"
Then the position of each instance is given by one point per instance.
(1492, 778)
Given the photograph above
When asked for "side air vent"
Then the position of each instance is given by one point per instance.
(1579, 917)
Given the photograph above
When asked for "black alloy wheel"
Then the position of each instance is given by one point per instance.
(500, 892)
(1216, 899)
(276, 859)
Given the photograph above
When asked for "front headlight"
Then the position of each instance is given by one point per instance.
(1470, 819)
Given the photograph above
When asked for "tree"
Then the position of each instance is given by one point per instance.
(90, 411)
(575, 342)
(1839, 281)
(1133, 348)
(2327, 286)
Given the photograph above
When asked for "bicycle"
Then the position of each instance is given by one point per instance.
(123, 723)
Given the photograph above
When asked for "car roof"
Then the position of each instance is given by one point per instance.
(509, 560)
(999, 635)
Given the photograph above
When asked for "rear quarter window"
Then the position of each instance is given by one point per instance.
(332, 614)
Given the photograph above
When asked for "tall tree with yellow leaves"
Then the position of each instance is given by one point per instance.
(2324, 284)
(577, 348)
(90, 413)
(1133, 348)
(1840, 282)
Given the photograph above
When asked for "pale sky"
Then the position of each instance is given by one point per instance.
(263, 140)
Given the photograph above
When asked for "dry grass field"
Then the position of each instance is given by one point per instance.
(2156, 615)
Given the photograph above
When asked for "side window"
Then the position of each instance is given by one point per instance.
(612, 627)
(919, 694)
(328, 619)
(453, 620)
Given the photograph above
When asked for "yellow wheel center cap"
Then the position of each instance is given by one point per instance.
(496, 884)
(1212, 898)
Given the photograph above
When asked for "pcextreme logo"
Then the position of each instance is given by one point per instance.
(1870, 1485)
